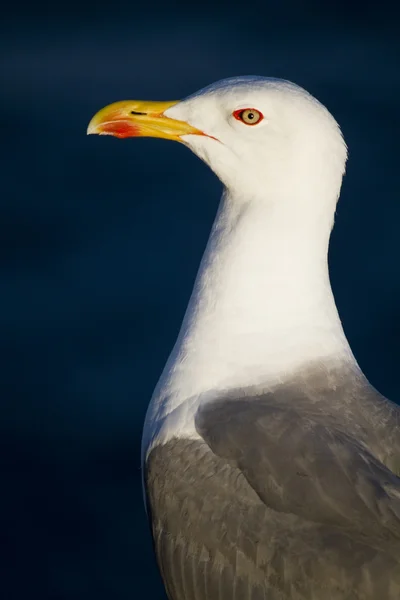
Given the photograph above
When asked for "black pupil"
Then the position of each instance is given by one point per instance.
(250, 115)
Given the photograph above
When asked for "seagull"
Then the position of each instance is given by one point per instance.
(271, 465)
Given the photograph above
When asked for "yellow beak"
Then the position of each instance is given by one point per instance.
(134, 118)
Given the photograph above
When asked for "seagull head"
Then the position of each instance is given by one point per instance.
(262, 137)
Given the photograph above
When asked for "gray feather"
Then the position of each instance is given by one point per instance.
(288, 495)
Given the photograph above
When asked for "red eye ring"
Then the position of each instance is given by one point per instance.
(248, 116)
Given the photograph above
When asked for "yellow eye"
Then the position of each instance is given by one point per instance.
(249, 116)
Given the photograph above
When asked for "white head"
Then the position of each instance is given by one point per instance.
(290, 138)
(292, 141)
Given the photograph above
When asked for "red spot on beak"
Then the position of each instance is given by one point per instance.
(120, 129)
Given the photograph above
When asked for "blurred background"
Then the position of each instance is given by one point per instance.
(101, 239)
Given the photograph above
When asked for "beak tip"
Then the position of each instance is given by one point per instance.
(91, 130)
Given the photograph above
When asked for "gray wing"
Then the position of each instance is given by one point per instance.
(305, 463)
(278, 500)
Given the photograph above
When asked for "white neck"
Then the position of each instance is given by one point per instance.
(262, 304)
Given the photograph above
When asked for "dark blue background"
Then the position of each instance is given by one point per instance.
(101, 239)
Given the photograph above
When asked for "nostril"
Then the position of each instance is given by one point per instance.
(134, 112)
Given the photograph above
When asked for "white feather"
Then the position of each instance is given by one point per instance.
(262, 305)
